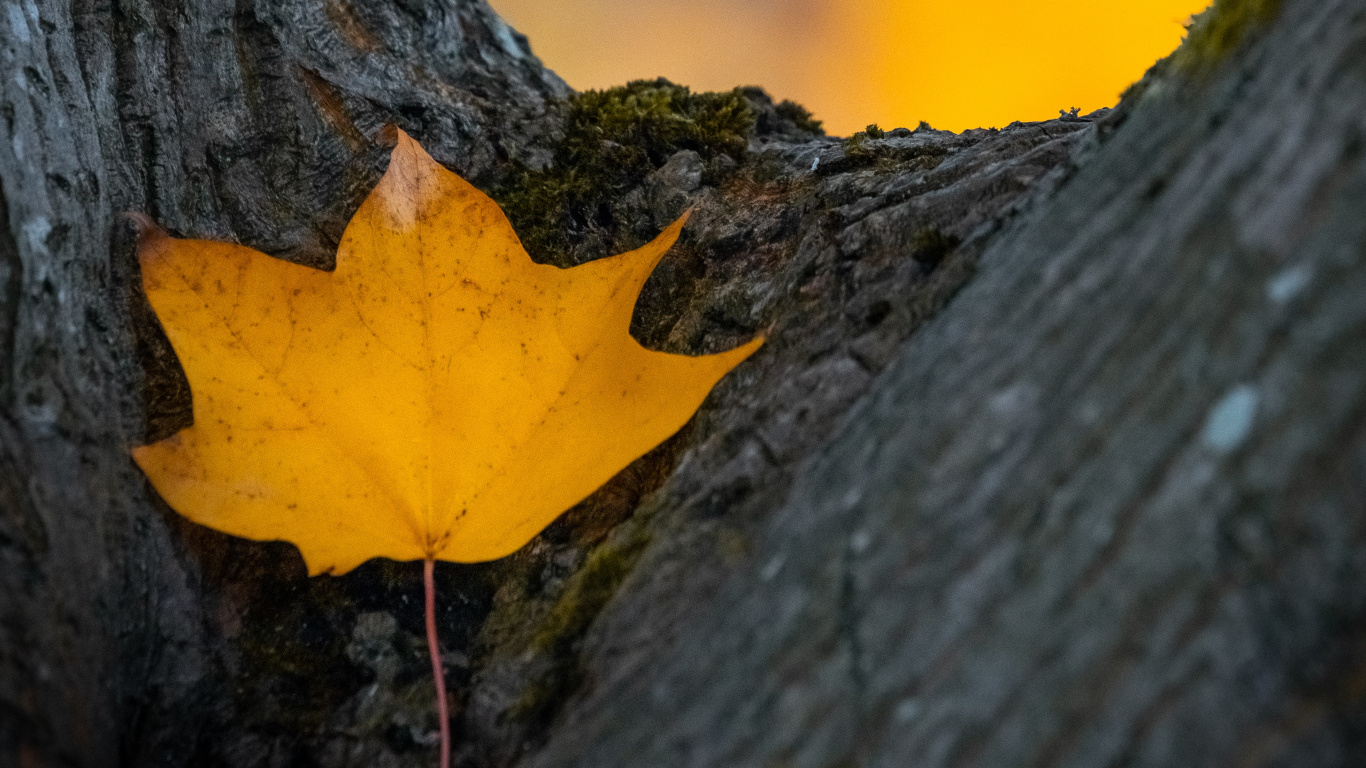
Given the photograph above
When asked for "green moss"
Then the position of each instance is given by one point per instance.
(541, 697)
(1219, 31)
(612, 140)
(856, 147)
(929, 245)
(800, 117)
(589, 590)
(583, 598)
(860, 152)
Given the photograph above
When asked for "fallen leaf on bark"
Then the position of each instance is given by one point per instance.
(439, 396)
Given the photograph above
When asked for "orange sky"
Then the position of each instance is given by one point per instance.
(954, 63)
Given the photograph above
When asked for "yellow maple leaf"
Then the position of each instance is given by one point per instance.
(438, 396)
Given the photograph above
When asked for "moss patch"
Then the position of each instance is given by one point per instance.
(929, 246)
(1219, 31)
(589, 590)
(781, 120)
(800, 117)
(857, 148)
(867, 149)
(612, 140)
(558, 634)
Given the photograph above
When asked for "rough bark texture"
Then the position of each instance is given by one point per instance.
(233, 120)
(1105, 510)
(1102, 508)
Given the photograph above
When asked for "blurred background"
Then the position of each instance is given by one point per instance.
(955, 64)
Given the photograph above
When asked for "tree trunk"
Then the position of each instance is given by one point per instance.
(1103, 507)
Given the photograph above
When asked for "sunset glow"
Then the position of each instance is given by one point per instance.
(954, 63)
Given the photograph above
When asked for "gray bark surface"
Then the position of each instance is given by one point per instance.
(229, 120)
(1107, 509)
(1103, 506)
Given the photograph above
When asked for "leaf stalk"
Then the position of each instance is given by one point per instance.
(438, 671)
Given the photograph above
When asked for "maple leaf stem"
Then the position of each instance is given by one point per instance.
(429, 581)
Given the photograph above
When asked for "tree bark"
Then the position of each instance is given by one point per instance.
(254, 122)
(1100, 507)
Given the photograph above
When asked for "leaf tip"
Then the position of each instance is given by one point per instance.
(150, 235)
(139, 454)
(731, 358)
(752, 346)
(146, 228)
(676, 228)
(408, 153)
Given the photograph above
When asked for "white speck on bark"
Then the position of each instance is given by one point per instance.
(1289, 283)
(1230, 422)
